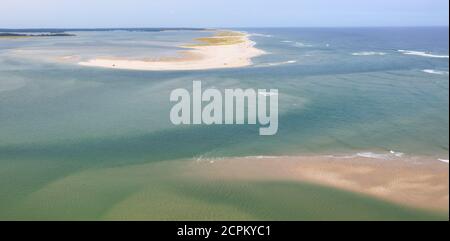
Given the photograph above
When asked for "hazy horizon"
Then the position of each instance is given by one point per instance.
(229, 27)
(222, 14)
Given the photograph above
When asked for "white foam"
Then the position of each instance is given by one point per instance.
(301, 45)
(281, 63)
(340, 157)
(277, 63)
(383, 156)
(297, 44)
(433, 71)
(261, 35)
(443, 160)
(368, 53)
(262, 157)
(397, 154)
(372, 155)
(422, 54)
(211, 160)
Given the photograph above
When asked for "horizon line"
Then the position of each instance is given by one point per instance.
(212, 28)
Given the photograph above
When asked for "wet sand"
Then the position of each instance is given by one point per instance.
(414, 182)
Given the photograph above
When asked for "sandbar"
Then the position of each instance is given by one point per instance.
(226, 49)
(415, 182)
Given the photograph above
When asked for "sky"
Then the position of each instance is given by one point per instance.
(221, 13)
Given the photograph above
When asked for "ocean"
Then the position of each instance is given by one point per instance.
(72, 137)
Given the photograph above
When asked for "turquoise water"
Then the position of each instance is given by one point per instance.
(341, 91)
(330, 99)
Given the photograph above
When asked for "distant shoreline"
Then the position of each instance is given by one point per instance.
(60, 30)
(17, 35)
(226, 49)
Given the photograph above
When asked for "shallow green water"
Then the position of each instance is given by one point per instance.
(158, 192)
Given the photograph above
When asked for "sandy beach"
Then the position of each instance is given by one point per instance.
(224, 50)
(414, 182)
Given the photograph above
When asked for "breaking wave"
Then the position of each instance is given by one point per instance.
(368, 53)
(433, 71)
(372, 155)
(261, 35)
(422, 54)
(443, 160)
(302, 45)
(277, 63)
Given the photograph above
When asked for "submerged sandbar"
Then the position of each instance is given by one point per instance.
(415, 181)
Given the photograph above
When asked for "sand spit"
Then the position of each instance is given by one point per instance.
(226, 49)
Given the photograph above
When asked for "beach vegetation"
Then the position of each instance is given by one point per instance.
(221, 38)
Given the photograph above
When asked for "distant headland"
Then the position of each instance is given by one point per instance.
(62, 30)
(18, 35)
